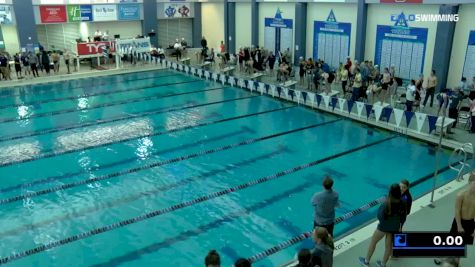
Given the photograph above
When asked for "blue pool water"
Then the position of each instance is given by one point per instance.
(93, 153)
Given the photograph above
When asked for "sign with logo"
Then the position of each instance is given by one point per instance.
(6, 14)
(401, 1)
(104, 12)
(94, 48)
(129, 12)
(140, 45)
(278, 33)
(53, 14)
(79, 13)
(177, 10)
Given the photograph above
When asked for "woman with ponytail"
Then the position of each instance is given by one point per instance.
(391, 215)
(323, 252)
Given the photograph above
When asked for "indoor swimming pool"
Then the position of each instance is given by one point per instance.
(156, 168)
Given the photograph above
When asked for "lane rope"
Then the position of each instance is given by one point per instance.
(43, 90)
(51, 153)
(125, 161)
(146, 216)
(156, 164)
(89, 95)
(104, 105)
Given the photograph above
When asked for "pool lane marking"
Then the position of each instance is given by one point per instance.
(94, 122)
(187, 234)
(50, 154)
(149, 215)
(83, 86)
(149, 193)
(88, 95)
(125, 161)
(158, 164)
(303, 236)
(104, 105)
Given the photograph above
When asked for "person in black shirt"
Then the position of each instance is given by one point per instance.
(391, 215)
(305, 258)
(204, 43)
(406, 198)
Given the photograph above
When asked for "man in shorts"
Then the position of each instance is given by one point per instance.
(464, 221)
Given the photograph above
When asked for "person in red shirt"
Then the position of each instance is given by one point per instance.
(221, 46)
(348, 63)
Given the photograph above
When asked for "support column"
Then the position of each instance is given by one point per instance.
(230, 26)
(25, 22)
(254, 23)
(443, 46)
(361, 21)
(197, 33)
(150, 20)
(300, 31)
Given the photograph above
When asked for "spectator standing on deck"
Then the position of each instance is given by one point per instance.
(390, 215)
(67, 57)
(242, 263)
(33, 59)
(406, 198)
(305, 258)
(410, 95)
(431, 84)
(212, 259)
(324, 204)
(464, 221)
(322, 255)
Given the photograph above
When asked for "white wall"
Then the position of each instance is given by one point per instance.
(212, 23)
(343, 13)
(267, 10)
(381, 15)
(10, 37)
(243, 25)
(126, 29)
(463, 27)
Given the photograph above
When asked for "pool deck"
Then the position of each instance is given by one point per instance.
(425, 219)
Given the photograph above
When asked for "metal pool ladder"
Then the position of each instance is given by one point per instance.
(460, 165)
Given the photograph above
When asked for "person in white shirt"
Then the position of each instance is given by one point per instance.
(177, 47)
(410, 95)
(98, 33)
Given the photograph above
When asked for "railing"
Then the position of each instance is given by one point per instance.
(461, 152)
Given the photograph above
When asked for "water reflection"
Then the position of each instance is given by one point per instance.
(144, 150)
(83, 103)
(23, 112)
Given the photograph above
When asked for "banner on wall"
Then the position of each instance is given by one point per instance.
(139, 45)
(469, 65)
(104, 12)
(53, 14)
(78, 13)
(278, 33)
(129, 12)
(331, 40)
(401, 46)
(94, 48)
(401, 1)
(177, 10)
(6, 14)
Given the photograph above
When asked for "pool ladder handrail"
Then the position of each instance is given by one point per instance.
(464, 150)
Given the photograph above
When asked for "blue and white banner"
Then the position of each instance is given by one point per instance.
(6, 14)
(129, 12)
(401, 46)
(420, 119)
(469, 66)
(331, 41)
(139, 45)
(278, 33)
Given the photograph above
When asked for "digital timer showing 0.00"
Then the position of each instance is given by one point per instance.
(449, 241)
